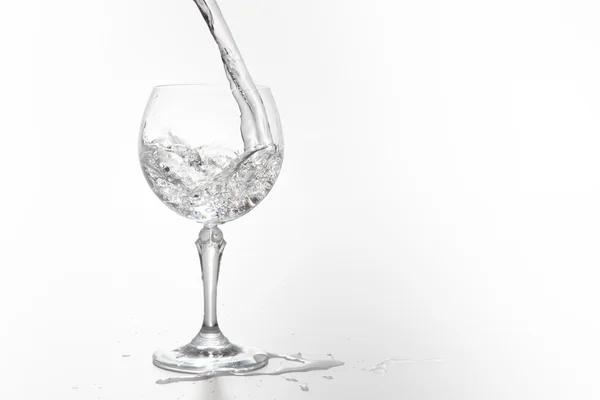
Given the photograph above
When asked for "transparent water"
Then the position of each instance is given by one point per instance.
(212, 184)
(383, 366)
(209, 184)
(255, 124)
(300, 365)
(304, 387)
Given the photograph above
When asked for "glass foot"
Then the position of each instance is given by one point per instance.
(210, 350)
(194, 359)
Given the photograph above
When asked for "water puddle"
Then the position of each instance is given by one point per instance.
(383, 366)
(299, 364)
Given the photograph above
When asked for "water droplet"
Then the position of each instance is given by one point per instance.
(291, 379)
(329, 355)
(125, 355)
(329, 378)
(304, 387)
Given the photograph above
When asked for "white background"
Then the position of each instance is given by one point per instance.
(439, 199)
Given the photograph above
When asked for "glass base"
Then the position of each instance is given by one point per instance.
(195, 359)
(210, 350)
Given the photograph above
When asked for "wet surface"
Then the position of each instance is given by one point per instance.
(295, 364)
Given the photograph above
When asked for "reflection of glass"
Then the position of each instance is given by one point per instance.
(214, 390)
(198, 164)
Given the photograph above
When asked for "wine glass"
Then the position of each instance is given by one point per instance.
(212, 159)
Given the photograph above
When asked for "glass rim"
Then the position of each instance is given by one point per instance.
(206, 85)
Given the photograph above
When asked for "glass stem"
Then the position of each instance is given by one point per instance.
(210, 246)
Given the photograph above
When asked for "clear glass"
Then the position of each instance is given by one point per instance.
(209, 161)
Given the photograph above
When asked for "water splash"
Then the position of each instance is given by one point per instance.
(209, 184)
(303, 365)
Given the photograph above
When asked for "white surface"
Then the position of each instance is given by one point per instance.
(439, 198)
